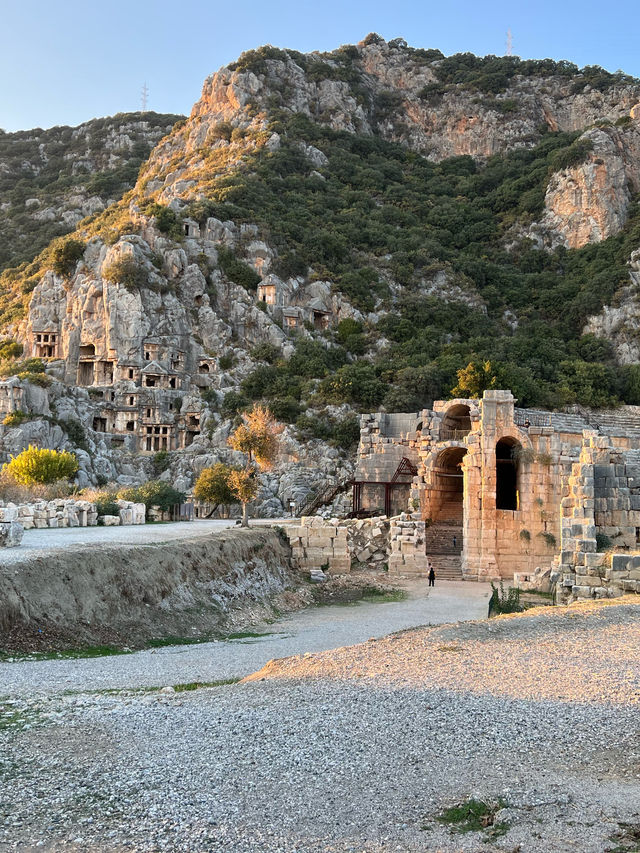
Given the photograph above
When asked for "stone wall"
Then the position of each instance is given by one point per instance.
(340, 546)
(407, 545)
(319, 544)
(602, 507)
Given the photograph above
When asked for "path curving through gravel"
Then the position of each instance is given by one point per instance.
(312, 630)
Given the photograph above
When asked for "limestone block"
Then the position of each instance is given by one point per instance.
(27, 522)
(11, 533)
(110, 520)
(324, 542)
(619, 562)
(339, 565)
(40, 523)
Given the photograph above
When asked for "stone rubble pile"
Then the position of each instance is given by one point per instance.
(368, 541)
(65, 512)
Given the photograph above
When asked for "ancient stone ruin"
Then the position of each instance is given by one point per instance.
(485, 490)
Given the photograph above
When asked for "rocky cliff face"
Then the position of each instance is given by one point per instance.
(51, 179)
(589, 202)
(168, 309)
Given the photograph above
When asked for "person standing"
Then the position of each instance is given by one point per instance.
(432, 574)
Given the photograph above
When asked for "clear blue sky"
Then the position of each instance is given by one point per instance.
(66, 61)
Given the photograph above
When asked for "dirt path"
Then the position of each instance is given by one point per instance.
(39, 542)
(311, 630)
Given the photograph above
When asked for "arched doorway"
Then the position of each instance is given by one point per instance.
(456, 423)
(507, 473)
(448, 486)
(444, 536)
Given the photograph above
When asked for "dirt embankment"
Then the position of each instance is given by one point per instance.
(127, 594)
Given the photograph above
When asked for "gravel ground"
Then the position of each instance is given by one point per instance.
(320, 757)
(310, 630)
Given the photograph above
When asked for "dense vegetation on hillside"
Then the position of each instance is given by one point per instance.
(379, 215)
(49, 165)
(379, 212)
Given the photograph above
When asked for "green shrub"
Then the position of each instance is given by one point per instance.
(106, 504)
(285, 409)
(226, 361)
(504, 602)
(10, 349)
(232, 403)
(161, 461)
(75, 433)
(154, 493)
(126, 271)
(346, 433)
(236, 270)
(65, 255)
(16, 418)
(35, 378)
(266, 352)
(41, 466)
(222, 130)
(603, 542)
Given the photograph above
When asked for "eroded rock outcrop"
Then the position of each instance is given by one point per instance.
(589, 202)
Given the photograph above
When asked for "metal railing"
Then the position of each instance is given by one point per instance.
(522, 417)
(448, 434)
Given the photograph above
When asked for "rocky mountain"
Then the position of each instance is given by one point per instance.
(332, 233)
(51, 179)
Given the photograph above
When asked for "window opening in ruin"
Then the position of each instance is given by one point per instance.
(172, 382)
(150, 381)
(507, 453)
(131, 425)
(87, 351)
(456, 423)
(131, 373)
(148, 413)
(186, 230)
(132, 401)
(100, 424)
(147, 356)
(203, 368)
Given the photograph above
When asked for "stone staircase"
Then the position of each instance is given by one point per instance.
(441, 550)
(448, 567)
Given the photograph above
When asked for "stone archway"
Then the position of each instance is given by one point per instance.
(448, 486)
(456, 423)
(444, 535)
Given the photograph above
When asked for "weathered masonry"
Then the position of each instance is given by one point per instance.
(499, 490)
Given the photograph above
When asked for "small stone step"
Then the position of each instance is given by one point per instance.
(447, 567)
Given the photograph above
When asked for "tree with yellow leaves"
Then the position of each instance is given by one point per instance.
(258, 438)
